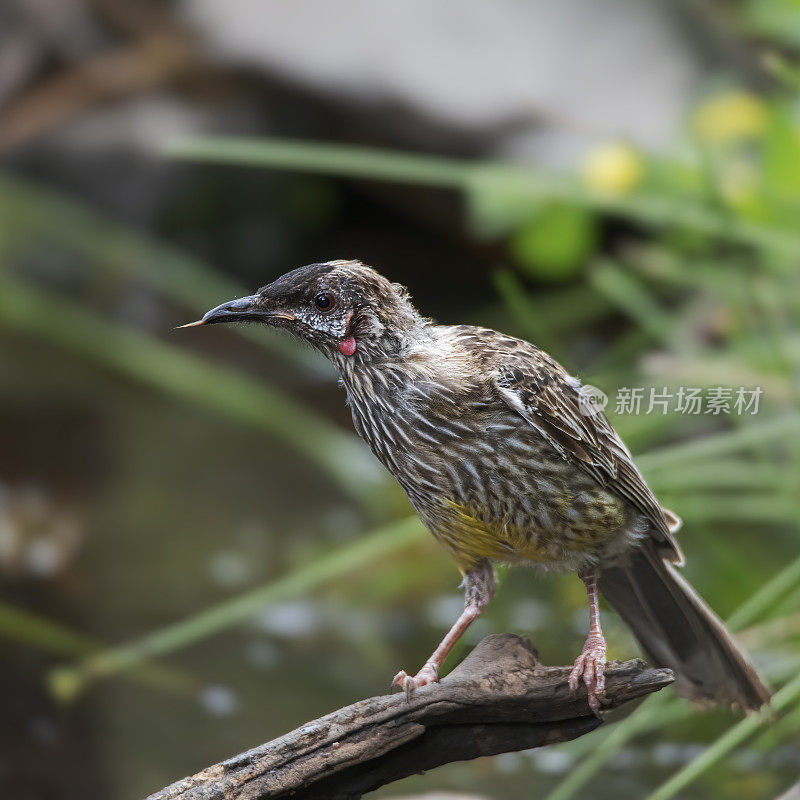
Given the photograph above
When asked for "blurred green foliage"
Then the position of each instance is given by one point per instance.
(701, 288)
(556, 242)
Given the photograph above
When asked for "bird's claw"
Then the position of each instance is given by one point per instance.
(428, 674)
(590, 665)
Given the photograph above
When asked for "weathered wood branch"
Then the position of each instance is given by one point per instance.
(499, 699)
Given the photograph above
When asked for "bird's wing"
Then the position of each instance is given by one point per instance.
(539, 389)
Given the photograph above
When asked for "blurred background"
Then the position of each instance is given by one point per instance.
(196, 554)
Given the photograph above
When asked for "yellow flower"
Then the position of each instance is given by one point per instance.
(614, 168)
(730, 116)
(738, 183)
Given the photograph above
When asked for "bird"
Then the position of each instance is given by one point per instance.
(505, 463)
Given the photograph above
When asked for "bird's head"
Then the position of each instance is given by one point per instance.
(343, 308)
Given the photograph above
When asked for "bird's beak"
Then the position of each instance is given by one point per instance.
(247, 309)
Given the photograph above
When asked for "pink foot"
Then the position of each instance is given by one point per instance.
(428, 674)
(590, 665)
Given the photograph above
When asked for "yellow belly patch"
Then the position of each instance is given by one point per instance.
(471, 538)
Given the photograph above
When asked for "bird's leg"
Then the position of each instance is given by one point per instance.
(590, 664)
(479, 590)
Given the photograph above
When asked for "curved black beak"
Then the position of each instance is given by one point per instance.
(245, 309)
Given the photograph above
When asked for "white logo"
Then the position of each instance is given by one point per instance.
(591, 400)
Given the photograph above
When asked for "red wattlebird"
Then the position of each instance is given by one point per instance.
(489, 437)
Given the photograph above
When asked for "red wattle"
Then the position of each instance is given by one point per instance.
(348, 346)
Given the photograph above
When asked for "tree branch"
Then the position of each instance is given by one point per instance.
(499, 699)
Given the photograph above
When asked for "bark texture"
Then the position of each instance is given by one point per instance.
(499, 699)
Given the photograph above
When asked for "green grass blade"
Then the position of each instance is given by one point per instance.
(134, 355)
(788, 727)
(31, 213)
(729, 474)
(545, 317)
(656, 710)
(24, 627)
(758, 604)
(731, 739)
(720, 444)
(365, 550)
(325, 159)
(744, 508)
(663, 709)
(478, 177)
(629, 294)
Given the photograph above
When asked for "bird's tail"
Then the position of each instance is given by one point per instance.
(678, 630)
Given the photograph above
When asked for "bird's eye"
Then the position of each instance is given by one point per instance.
(323, 302)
